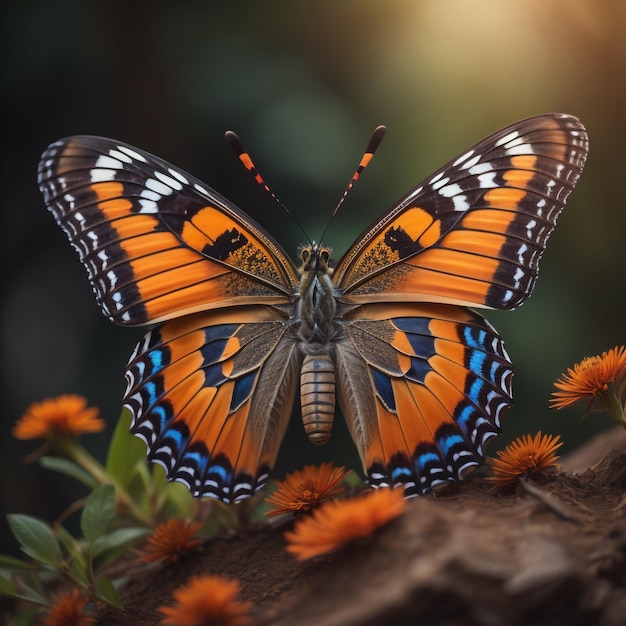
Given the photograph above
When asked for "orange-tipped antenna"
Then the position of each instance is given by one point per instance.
(374, 142)
(244, 157)
(372, 146)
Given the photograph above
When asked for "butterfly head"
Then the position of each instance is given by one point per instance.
(315, 259)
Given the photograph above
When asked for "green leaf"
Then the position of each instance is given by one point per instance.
(105, 590)
(125, 451)
(119, 538)
(69, 468)
(11, 563)
(98, 512)
(26, 592)
(36, 538)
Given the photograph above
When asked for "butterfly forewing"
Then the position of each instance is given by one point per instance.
(156, 242)
(472, 234)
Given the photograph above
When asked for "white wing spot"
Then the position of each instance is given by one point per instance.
(440, 183)
(460, 203)
(112, 276)
(150, 195)
(471, 163)
(201, 189)
(507, 138)
(108, 162)
(101, 175)
(434, 179)
(168, 180)
(132, 153)
(480, 168)
(159, 187)
(450, 190)
(521, 252)
(148, 206)
(520, 148)
(463, 157)
(120, 156)
(487, 180)
(178, 175)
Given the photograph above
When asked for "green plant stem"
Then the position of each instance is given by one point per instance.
(613, 406)
(74, 451)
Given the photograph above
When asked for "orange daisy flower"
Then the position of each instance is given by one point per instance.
(339, 522)
(171, 540)
(304, 489)
(523, 456)
(67, 610)
(206, 600)
(601, 378)
(67, 414)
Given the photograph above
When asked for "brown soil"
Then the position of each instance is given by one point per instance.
(551, 551)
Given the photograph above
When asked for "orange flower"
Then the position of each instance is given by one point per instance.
(206, 600)
(171, 540)
(67, 610)
(601, 378)
(304, 489)
(67, 414)
(523, 456)
(339, 522)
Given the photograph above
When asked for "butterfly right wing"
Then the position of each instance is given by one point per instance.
(473, 233)
(211, 395)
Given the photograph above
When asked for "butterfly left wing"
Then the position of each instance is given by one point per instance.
(473, 233)
(423, 387)
(211, 395)
(156, 242)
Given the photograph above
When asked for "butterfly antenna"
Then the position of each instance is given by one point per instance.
(235, 143)
(372, 146)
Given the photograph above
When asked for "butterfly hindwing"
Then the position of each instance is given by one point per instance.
(156, 242)
(423, 388)
(472, 234)
(211, 395)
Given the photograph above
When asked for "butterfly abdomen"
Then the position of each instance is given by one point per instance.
(317, 396)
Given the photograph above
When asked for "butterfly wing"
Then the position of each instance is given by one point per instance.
(473, 233)
(211, 395)
(156, 242)
(423, 387)
(211, 389)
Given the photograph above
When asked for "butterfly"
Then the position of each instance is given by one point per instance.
(388, 332)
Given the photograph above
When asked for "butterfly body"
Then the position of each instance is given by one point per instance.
(388, 334)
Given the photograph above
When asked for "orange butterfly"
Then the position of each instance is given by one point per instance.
(422, 380)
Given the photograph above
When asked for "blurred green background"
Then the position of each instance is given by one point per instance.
(303, 83)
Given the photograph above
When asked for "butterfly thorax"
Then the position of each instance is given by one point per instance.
(317, 305)
(317, 328)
